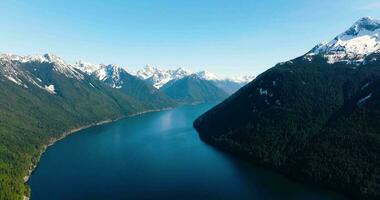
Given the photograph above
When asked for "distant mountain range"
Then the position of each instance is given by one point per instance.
(197, 89)
(315, 118)
(120, 79)
(159, 77)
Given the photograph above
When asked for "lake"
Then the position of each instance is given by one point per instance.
(155, 156)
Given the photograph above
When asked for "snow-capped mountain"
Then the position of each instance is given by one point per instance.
(327, 101)
(159, 77)
(353, 45)
(26, 71)
(127, 83)
(206, 75)
(242, 79)
(231, 85)
(86, 67)
(110, 74)
(58, 64)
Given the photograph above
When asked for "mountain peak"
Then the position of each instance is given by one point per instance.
(86, 67)
(353, 45)
(111, 74)
(58, 64)
(363, 26)
(242, 79)
(366, 23)
(150, 68)
(207, 75)
(61, 66)
(52, 58)
(159, 77)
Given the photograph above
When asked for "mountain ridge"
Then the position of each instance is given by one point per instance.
(353, 45)
(159, 77)
(193, 90)
(313, 118)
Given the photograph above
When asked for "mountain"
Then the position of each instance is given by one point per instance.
(205, 75)
(184, 86)
(231, 85)
(314, 118)
(43, 98)
(228, 85)
(193, 89)
(118, 78)
(159, 77)
(352, 46)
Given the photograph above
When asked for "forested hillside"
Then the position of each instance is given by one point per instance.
(315, 118)
(41, 99)
(193, 90)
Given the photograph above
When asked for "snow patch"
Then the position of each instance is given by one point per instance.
(50, 89)
(364, 86)
(263, 91)
(14, 79)
(363, 100)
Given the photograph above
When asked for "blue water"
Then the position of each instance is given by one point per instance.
(155, 156)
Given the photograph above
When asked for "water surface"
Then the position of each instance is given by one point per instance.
(155, 156)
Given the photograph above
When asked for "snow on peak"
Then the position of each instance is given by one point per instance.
(111, 74)
(62, 67)
(149, 68)
(50, 89)
(147, 72)
(159, 77)
(364, 24)
(87, 67)
(353, 45)
(59, 64)
(242, 79)
(23, 59)
(205, 75)
(54, 59)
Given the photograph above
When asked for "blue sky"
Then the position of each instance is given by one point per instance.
(225, 37)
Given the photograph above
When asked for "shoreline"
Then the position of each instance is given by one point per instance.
(75, 130)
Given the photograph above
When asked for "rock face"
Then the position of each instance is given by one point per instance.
(315, 118)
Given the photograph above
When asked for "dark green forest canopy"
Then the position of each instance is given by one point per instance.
(315, 121)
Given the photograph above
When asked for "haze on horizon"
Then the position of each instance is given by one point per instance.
(225, 37)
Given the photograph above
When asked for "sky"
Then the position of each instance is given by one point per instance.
(226, 37)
